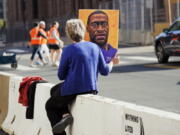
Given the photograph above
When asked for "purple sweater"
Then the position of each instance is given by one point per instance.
(79, 67)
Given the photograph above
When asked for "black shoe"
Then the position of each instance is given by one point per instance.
(60, 126)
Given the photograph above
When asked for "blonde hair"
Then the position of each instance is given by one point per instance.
(75, 29)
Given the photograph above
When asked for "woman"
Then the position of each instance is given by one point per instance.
(44, 49)
(55, 43)
(80, 63)
(36, 36)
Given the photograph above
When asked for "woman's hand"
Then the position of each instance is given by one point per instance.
(116, 59)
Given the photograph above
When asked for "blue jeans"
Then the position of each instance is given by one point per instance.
(36, 49)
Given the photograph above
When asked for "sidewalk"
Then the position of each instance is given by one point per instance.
(124, 50)
(22, 48)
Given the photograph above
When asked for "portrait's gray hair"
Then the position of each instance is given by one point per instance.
(75, 29)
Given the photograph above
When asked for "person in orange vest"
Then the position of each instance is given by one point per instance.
(35, 42)
(55, 43)
(44, 49)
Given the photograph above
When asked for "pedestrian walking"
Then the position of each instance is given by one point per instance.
(35, 42)
(44, 48)
(55, 44)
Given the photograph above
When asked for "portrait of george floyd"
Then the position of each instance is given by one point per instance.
(102, 29)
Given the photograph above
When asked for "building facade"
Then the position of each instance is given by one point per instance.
(140, 20)
(22, 13)
(1, 9)
(28, 11)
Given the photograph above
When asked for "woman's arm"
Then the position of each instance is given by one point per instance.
(104, 68)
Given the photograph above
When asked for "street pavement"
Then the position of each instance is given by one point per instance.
(137, 79)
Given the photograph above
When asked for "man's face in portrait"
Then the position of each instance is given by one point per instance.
(98, 29)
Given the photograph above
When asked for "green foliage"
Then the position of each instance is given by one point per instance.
(2, 23)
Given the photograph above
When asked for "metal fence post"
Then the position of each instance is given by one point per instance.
(170, 14)
(178, 14)
(142, 21)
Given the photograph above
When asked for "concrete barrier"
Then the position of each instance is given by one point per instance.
(13, 107)
(20, 123)
(4, 89)
(11, 100)
(149, 121)
(41, 119)
(92, 115)
(96, 115)
(40, 125)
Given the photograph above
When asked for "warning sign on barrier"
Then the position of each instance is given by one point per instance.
(133, 125)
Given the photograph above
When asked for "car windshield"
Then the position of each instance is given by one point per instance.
(175, 26)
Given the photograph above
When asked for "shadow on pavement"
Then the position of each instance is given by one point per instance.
(145, 67)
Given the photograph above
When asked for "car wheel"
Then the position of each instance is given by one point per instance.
(161, 55)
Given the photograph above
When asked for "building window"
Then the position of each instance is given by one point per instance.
(17, 10)
(105, 4)
(160, 4)
(35, 9)
(1, 15)
(1, 5)
(81, 4)
(1, 10)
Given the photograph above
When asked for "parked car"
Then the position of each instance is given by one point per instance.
(167, 43)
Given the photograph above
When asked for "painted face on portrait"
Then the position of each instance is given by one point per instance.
(98, 29)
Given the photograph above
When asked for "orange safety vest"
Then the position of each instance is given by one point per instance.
(35, 39)
(52, 39)
(43, 40)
